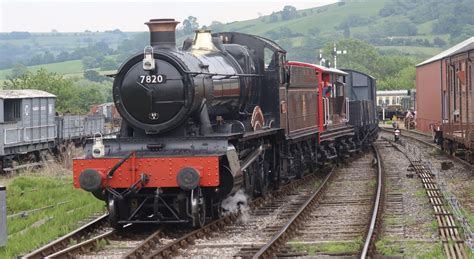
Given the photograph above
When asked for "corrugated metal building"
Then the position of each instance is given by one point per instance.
(430, 79)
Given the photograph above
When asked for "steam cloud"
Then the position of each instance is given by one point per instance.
(237, 202)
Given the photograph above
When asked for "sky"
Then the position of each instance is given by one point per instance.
(100, 15)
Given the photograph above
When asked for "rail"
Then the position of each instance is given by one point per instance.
(187, 239)
(455, 158)
(283, 234)
(376, 210)
(89, 244)
(64, 241)
(453, 244)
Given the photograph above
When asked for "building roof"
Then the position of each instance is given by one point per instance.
(461, 47)
(27, 93)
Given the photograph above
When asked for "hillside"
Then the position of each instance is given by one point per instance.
(405, 30)
(396, 34)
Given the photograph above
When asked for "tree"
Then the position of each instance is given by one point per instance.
(43, 80)
(274, 17)
(347, 32)
(101, 47)
(314, 31)
(216, 26)
(18, 70)
(392, 72)
(93, 76)
(398, 28)
(289, 12)
(63, 56)
(89, 62)
(190, 25)
(48, 58)
(70, 97)
(108, 64)
(439, 42)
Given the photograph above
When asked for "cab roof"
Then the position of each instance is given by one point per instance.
(319, 68)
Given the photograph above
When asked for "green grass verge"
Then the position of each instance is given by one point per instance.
(329, 248)
(28, 232)
(410, 249)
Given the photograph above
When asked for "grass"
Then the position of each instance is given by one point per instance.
(32, 191)
(327, 18)
(413, 50)
(61, 68)
(329, 248)
(421, 193)
(372, 183)
(68, 41)
(67, 68)
(411, 249)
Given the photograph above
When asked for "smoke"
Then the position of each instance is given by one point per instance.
(237, 202)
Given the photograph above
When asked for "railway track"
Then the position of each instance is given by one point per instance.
(86, 232)
(333, 210)
(344, 214)
(152, 247)
(282, 212)
(95, 239)
(428, 141)
(449, 230)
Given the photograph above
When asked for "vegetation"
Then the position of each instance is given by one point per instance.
(378, 34)
(73, 95)
(46, 48)
(391, 71)
(63, 68)
(329, 247)
(412, 249)
(33, 229)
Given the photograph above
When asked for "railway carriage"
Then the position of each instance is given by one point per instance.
(457, 130)
(30, 128)
(224, 112)
(27, 125)
(362, 94)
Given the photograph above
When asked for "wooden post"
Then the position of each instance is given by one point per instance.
(3, 216)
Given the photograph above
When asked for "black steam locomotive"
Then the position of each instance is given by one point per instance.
(224, 112)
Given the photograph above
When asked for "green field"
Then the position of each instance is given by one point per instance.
(413, 50)
(325, 18)
(38, 190)
(67, 68)
(328, 18)
(67, 41)
(62, 68)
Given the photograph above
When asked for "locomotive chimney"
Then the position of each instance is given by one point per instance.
(162, 32)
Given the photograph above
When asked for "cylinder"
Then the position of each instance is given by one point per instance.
(3, 216)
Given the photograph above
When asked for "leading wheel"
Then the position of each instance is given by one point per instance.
(198, 208)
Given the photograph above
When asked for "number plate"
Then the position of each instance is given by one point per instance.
(152, 79)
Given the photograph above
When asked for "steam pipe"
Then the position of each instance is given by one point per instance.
(206, 127)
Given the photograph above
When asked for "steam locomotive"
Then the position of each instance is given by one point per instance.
(225, 112)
